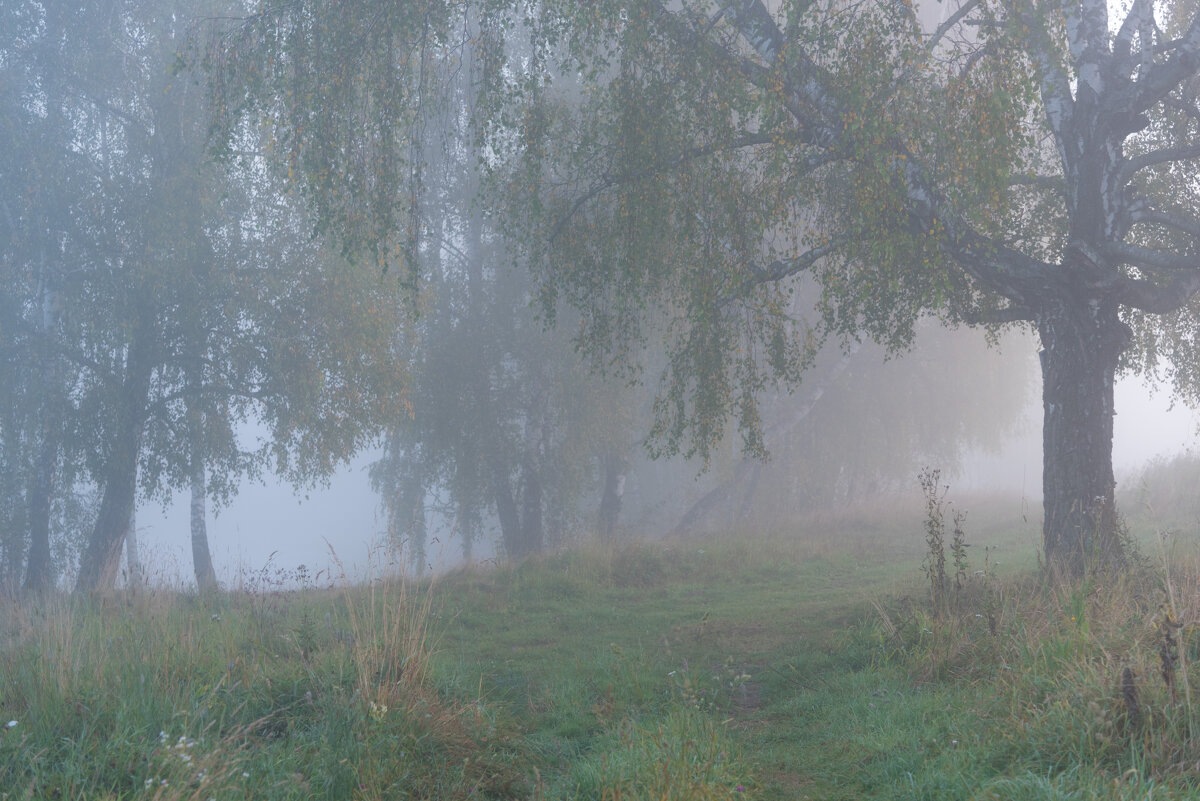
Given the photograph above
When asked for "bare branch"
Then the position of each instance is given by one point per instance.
(1132, 24)
(784, 268)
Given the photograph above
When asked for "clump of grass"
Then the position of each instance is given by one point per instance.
(1093, 672)
(685, 756)
(390, 639)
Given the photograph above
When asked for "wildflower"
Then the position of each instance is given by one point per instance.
(11, 724)
(739, 789)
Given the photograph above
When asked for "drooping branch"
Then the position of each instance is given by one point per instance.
(771, 77)
(610, 181)
(783, 268)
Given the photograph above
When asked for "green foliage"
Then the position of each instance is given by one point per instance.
(163, 301)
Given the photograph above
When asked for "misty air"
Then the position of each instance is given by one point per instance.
(599, 399)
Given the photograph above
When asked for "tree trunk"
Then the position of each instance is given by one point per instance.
(1081, 344)
(610, 500)
(506, 511)
(532, 535)
(101, 559)
(202, 566)
(39, 572)
(133, 559)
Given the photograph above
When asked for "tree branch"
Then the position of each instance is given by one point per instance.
(784, 268)
(1055, 85)
(1146, 258)
(608, 181)
(1155, 298)
(1052, 182)
(1155, 157)
(1012, 313)
(1157, 80)
(1189, 226)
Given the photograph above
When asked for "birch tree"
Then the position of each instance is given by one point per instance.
(1004, 162)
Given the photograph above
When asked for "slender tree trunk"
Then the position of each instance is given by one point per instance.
(467, 533)
(101, 559)
(610, 499)
(749, 470)
(418, 530)
(39, 572)
(133, 559)
(532, 530)
(202, 566)
(1081, 344)
(506, 511)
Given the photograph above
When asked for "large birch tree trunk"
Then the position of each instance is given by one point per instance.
(1082, 342)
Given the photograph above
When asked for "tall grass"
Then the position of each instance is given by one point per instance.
(1094, 674)
(306, 693)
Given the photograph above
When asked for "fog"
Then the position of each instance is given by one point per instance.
(271, 529)
(545, 300)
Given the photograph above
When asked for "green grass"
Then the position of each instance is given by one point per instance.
(789, 665)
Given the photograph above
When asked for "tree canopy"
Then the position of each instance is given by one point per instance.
(156, 301)
(989, 162)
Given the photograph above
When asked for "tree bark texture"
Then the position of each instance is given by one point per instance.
(1081, 344)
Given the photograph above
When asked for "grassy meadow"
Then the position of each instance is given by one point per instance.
(819, 662)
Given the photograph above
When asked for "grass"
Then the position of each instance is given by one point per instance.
(815, 663)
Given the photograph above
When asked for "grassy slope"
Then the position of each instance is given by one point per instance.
(780, 668)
